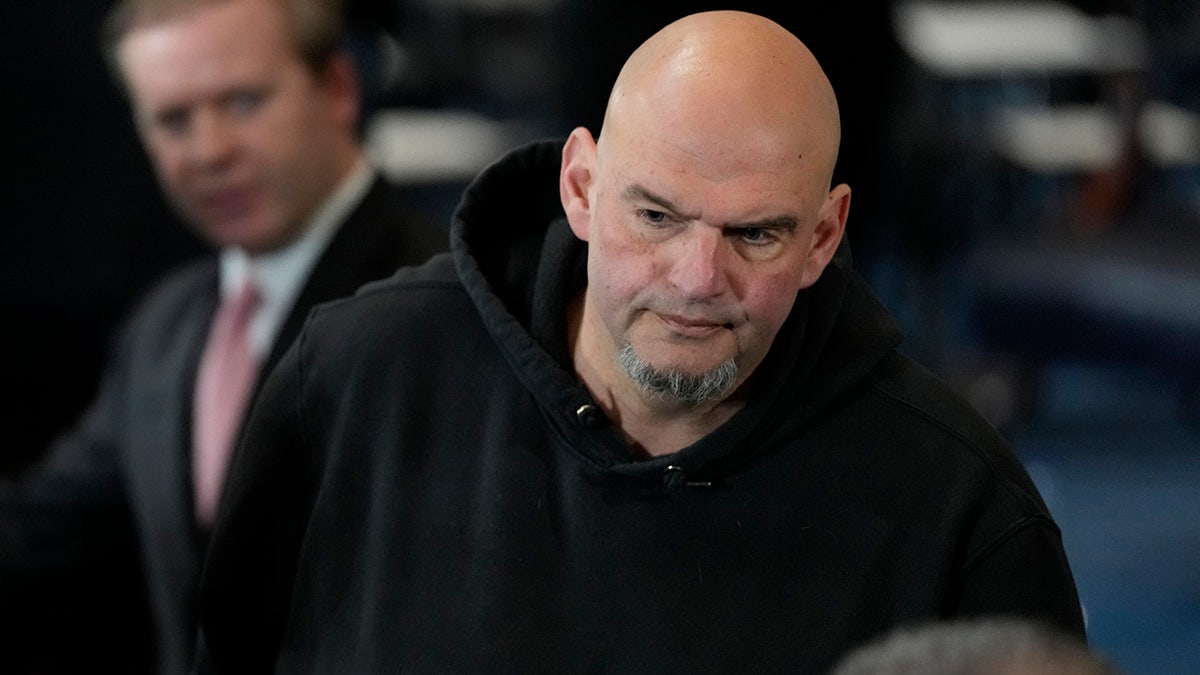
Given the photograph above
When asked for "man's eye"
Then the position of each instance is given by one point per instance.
(172, 121)
(752, 235)
(652, 216)
(245, 101)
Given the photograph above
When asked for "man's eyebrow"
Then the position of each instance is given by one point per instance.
(639, 193)
(781, 223)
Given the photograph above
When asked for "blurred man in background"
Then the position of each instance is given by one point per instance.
(248, 110)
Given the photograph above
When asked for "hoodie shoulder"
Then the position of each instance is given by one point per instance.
(407, 297)
(950, 421)
(911, 385)
(436, 271)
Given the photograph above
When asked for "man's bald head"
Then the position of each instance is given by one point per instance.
(706, 202)
(727, 79)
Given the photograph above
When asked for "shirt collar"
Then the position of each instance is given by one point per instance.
(281, 273)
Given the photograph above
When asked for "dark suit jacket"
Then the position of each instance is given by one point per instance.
(117, 488)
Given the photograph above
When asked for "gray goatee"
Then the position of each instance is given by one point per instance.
(672, 384)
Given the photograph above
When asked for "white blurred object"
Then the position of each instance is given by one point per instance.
(1089, 137)
(973, 39)
(494, 5)
(421, 146)
(1170, 134)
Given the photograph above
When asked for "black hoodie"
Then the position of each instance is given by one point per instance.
(426, 486)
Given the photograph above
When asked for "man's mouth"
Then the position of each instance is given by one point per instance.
(228, 202)
(693, 327)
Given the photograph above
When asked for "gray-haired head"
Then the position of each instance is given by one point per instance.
(999, 646)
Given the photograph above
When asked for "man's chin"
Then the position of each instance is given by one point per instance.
(682, 365)
(251, 237)
(683, 381)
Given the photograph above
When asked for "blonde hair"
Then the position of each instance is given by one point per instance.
(317, 26)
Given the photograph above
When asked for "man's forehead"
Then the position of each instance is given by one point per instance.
(181, 60)
(229, 30)
(714, 137)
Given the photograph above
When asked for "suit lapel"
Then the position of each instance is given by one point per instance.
(160, 463)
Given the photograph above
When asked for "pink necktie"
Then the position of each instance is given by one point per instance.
(227, 372)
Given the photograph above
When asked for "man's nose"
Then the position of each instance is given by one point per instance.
(699, 268)
(213, 139)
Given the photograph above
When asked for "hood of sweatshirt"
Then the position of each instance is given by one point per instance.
(521, 264)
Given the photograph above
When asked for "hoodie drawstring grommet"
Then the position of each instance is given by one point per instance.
(590, 416)
(674, 477)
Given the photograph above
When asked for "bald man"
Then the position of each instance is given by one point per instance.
(650, 419)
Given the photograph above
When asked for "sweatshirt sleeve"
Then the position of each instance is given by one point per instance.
(1024, 572)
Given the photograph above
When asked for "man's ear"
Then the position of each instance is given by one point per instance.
(575, 180)
(827, 234)
(341, 82)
